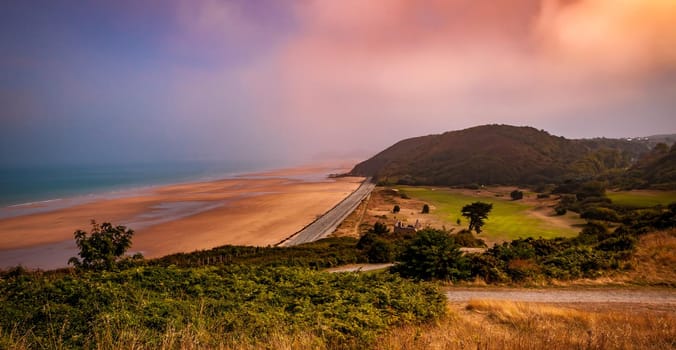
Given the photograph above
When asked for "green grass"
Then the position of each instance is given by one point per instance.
(642, 199)
(507, 221)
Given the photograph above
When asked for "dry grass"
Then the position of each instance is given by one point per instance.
(654, 262)
(479, 324)
(510, 325)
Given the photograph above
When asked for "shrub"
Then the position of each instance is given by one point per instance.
(465, 238)
(489, 268)
(396, 209)
(433, 254)
(380, 228)
(523, 269)
(380, 251)
(516, 195)
(426, 209)
(592, 233)
(617, 244)
(599, 213)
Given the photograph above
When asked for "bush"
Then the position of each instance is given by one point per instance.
(465, 238)
(489, 268)
(381, 251)
(617, 244)
(425, 209)
(516, 195)
(433, 254)
(523, 269)
(377, 249)
(599, 213)
(396, 209)
(592, 233)
(380, 228)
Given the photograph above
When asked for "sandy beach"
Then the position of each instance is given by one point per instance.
(255, 209)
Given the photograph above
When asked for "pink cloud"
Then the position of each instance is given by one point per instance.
(366, 71)
(623, 36)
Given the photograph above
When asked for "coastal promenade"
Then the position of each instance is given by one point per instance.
(328, 222)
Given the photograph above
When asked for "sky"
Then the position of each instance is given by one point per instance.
(290, 81)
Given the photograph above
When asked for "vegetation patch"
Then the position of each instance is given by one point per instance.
(146, 306)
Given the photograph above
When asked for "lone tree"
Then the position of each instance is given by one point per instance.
(102, 248)
(396, 209)
(476, 212)
(426, 209)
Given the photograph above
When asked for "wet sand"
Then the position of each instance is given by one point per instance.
(254, 210)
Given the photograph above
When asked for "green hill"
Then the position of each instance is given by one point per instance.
(498, 154)
(655, 170)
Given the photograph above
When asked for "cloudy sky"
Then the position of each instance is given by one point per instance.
(297, 80)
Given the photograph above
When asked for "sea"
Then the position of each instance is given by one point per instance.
(27, 185)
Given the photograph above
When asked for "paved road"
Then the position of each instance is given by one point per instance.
(628, 296)
(328, 222)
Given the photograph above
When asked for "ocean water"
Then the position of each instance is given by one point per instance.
(22, 185)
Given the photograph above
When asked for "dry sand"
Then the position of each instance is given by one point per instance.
(260, 210)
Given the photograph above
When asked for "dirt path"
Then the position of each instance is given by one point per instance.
(666, 297)
(560, 221)
(359, 268)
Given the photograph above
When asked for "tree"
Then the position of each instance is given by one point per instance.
(476, 212)
(516, 195)
(102, 248)
(426, 209)
(396, 209)
(433, 254)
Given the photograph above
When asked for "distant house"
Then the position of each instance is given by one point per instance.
(399, 227)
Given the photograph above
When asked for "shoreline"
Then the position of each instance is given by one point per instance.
(310, 172)
(247, 210)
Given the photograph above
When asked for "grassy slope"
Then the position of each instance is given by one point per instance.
(510, 325)
(642, 199)
(654, 260)
(508, 220)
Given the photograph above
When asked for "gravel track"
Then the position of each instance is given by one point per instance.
(665, 297)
